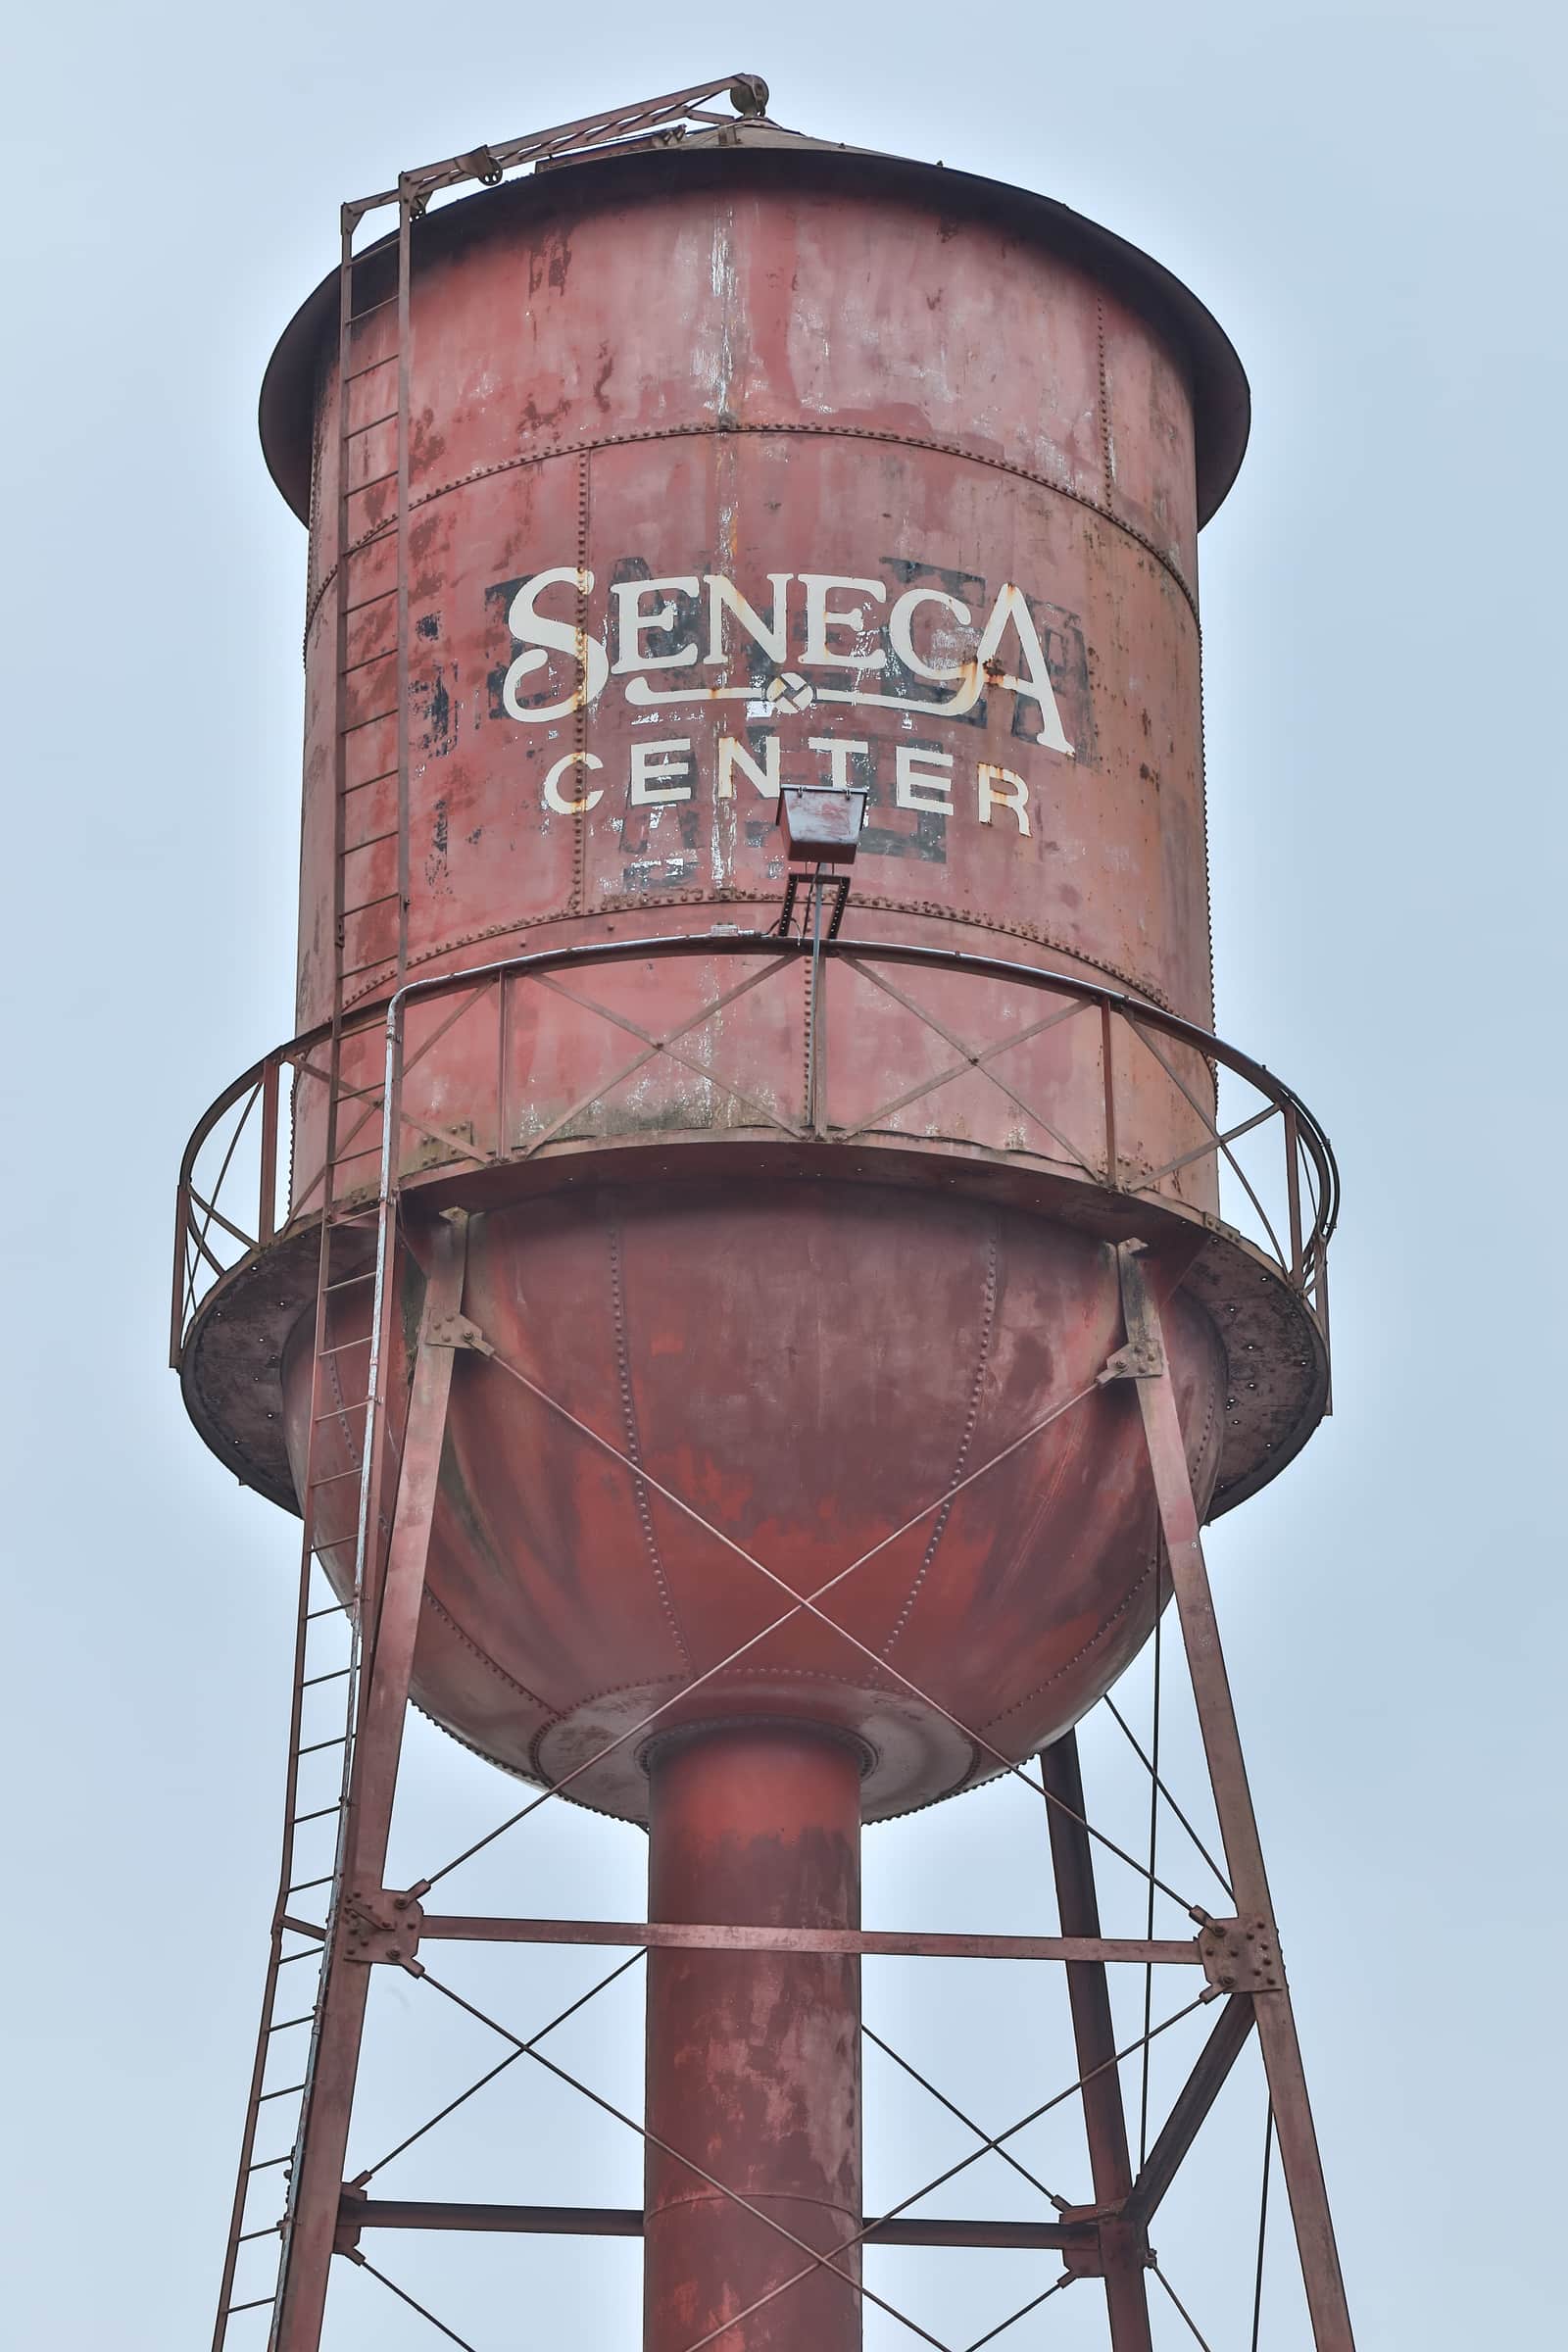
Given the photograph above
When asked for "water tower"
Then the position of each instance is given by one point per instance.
(750, 1272)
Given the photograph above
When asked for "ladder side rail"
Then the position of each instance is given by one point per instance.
(371, 1449)
(286, 1886)
(404, 301)
(342, 494)
(371, 1537)
(263, 2035)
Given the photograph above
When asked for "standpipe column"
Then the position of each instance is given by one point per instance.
(753, 2059)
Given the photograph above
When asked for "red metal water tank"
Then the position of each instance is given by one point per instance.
(741, 465)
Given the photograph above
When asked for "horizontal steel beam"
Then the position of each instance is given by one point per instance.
(899, 1943)
(626, 2220)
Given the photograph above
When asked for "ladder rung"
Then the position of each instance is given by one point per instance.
(370, 365)
(316, 1746)
(388, 652)
(342, 1347)
(333, 1608)
(336, 1676)
(336, 1412)
(271, 2229)
(370, 309)
(385, 777)
(311, 1951)
(333, 1478)
(365, 602)
(374, 720)
(286, 2024)
(386, 418)
(363, 1093)
(253, 2305)
(349, 1280)
(387, 898)
(370, 841)
(338, 1542)
(271, 2163)
(305, 1887)
(279, 2094)
(358, 489)
(352, 971)
(321, 1813)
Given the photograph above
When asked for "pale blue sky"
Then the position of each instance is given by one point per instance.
(1370, 199)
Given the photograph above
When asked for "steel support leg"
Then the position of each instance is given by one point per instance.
(1094, 2037)
(1300, 2159)
(311, 2224)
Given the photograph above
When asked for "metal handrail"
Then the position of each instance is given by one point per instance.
(196, 1215)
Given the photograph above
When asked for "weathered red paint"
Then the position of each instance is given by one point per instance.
(887, 382)
(760, 361)
(808, 1365)
(754, 2064)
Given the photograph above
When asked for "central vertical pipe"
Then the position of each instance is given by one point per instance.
(753, 2059)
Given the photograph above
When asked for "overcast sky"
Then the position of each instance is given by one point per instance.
(1370, 199)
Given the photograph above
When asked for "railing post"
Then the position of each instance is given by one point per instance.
(177, 1309)
(1293, 1179)
(500, 1066)
(1321, 1303)
(1108, 1069)
(266, 1219)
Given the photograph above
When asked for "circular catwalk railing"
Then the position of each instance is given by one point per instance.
(1126, 1097)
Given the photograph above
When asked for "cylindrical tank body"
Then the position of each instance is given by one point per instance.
(790, 451)
(731, 467)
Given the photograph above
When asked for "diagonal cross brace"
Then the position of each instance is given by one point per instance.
(1187, 2116)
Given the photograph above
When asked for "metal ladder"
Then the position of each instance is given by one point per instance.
(342, 1506)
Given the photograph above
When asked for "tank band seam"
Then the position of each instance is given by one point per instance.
(483, 1655)
(839, 432)
(621, 903)
(628, 1408)
(977, 1386)
(756, 2196)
